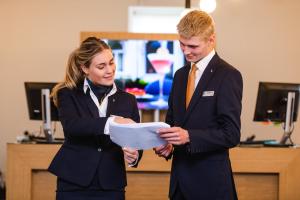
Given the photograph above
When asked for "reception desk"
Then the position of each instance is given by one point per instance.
(259, 173)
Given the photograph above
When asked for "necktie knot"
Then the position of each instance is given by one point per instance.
(194, 69)
(190, 85)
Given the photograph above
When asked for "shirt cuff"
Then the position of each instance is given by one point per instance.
(135, 162)
(108, 122)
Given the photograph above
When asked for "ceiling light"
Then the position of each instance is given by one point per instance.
(208, 5)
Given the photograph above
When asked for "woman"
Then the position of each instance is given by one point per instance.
(89, 165)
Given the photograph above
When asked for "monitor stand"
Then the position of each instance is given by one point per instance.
(46, 117)
(286, 140)
(277, 145)
(47, 139)
(41, 141)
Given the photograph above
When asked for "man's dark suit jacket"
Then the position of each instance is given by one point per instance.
(87, 152)
(202, 167)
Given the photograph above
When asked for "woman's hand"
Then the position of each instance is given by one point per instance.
(130, 155)
(122, 120)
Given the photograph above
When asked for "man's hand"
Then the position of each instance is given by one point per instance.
(175, 135)
(130, 155)
(164, 150)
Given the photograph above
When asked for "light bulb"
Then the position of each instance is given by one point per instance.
(208, 5)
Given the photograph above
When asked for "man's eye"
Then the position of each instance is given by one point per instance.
(193, 47)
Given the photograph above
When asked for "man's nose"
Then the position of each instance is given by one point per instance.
(186, 51)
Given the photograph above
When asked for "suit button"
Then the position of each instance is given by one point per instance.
(99, 149)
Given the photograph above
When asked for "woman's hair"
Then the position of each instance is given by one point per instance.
(196, 23)
(81, 56)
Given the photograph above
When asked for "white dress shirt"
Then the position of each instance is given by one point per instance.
(201, 66)
(102, 108)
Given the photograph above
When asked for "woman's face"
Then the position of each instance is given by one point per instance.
(102, 68)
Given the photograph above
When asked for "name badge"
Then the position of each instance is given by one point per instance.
(208, 93)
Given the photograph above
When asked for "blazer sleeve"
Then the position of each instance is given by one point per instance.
(226, 133)
(74, 117)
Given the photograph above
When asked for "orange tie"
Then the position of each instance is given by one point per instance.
(190, 85)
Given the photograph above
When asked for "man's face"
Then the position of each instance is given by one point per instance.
(195, 48)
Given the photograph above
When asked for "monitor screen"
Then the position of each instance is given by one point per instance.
(33, 96)
(145, 68)
(271, 103)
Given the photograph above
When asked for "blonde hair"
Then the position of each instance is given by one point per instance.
(81, 56)
(196, 23)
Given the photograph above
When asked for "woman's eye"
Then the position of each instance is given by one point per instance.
(100, 67)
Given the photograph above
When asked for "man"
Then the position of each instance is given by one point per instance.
(204, 114)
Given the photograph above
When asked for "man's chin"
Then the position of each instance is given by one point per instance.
(190, 59)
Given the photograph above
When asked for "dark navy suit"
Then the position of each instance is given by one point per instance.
(201, 169)
(87, 154)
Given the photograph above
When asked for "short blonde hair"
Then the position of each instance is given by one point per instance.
(196, 23)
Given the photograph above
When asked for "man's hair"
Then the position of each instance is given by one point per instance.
(196, 23)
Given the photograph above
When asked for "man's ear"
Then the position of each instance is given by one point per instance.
(212, 38)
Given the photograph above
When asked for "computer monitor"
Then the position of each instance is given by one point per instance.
(40, 105)
(278, 102)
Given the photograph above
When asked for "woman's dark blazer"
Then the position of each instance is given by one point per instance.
(87, 152)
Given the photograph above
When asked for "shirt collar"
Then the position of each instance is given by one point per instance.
(86, 86)
(202, 64)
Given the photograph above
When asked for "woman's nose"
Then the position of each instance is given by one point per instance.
(110, 68)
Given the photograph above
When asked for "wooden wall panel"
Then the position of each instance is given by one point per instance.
(259, 173)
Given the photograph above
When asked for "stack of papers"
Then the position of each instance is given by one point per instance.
(137, 135)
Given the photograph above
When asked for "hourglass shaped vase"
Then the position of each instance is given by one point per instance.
(161, 61)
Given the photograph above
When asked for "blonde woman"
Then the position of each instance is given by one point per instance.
(89, 165)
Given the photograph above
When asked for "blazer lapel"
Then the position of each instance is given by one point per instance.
(88, 101)
(183, 83)
(202, 84)
(111, 105)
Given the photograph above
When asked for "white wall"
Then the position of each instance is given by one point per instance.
(260, 38)
(36, 38)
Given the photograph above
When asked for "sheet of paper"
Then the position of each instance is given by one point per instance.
(137, 135)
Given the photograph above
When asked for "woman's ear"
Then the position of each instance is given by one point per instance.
(84, 69)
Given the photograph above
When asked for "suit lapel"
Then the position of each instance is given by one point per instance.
(111, 105)
(91, 106)
(182, 89)
(202, 84)
(88, 101)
